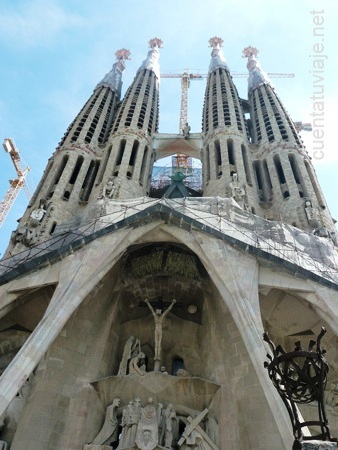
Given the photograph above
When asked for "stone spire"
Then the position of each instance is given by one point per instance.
(113, 79)
(151, 61)
(256, 74)
(217, 57)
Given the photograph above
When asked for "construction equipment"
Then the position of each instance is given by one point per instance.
(15, 185)
(300, 126)
(185, 83)
(184, 160)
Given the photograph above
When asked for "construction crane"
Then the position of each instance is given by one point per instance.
(300, 126)
(15, 185)
(181, 160)
(185, 83)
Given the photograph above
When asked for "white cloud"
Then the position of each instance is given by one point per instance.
(36, 23)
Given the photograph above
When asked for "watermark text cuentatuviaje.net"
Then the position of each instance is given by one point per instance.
(318, 60)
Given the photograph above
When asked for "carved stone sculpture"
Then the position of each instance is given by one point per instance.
(186, 130)
(108, 432)
(312, 214)
(36, 216)
(153, 426)
(109, 189)
(237, 190)
(170, 421)
(194, 437)
(130, 418)
(147, 430)
(131, 348)
(136, 364)
(159, 318)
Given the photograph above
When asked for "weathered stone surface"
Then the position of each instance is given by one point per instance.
(97, 447)
(318, 445)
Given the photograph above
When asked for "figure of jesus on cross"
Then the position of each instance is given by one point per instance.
(158, 318)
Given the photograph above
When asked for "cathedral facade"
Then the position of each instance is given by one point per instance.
(134, 322)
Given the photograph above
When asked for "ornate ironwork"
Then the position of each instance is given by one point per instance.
(300, 377)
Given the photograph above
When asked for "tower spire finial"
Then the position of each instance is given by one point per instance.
(217, 57)
(256, 74)
(113, 79)
(151, 62)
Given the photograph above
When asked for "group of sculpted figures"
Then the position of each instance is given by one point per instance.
(133, 359)
(28, 233)
(151, 426)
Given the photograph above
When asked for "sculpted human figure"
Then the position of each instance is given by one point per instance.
(131, 348)
(159, 318)
(136, 364)
(109, 189)
(237, 190)
(186, 130)
(130, 418)
(108, 432)
(194, 437)
(312, 214)
(37, 214)
(167, 428)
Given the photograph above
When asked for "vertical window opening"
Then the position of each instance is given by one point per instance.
(121, 152)
(259, 177)
(281, 177)
(73, 178)
(231, 156)
(89, 180)
(296, 175)
(218, 156)
(52, 229)
(279, 168)
(58, 176)
(268, 184)
(133, 154)
(132, 159)
(76, 170)
(207, 164)
(143, 165)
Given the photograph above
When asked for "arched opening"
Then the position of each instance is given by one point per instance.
(163, 175)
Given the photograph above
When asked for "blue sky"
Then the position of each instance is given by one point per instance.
(53, 52)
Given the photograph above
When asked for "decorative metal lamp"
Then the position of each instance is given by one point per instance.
(300, 377)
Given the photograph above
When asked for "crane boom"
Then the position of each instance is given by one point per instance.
(15, 185)
(185, 82)
(180, 159)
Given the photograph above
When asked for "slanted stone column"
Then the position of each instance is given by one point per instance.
(236, 278)
(74, 285)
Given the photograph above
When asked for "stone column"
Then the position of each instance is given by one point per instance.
(236, 277)
(74, 285)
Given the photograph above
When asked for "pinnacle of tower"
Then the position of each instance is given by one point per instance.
(113, 79)
(217, 58)
(151, 62)
(256, 74)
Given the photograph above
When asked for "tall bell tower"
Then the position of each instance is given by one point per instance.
(133, 322)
